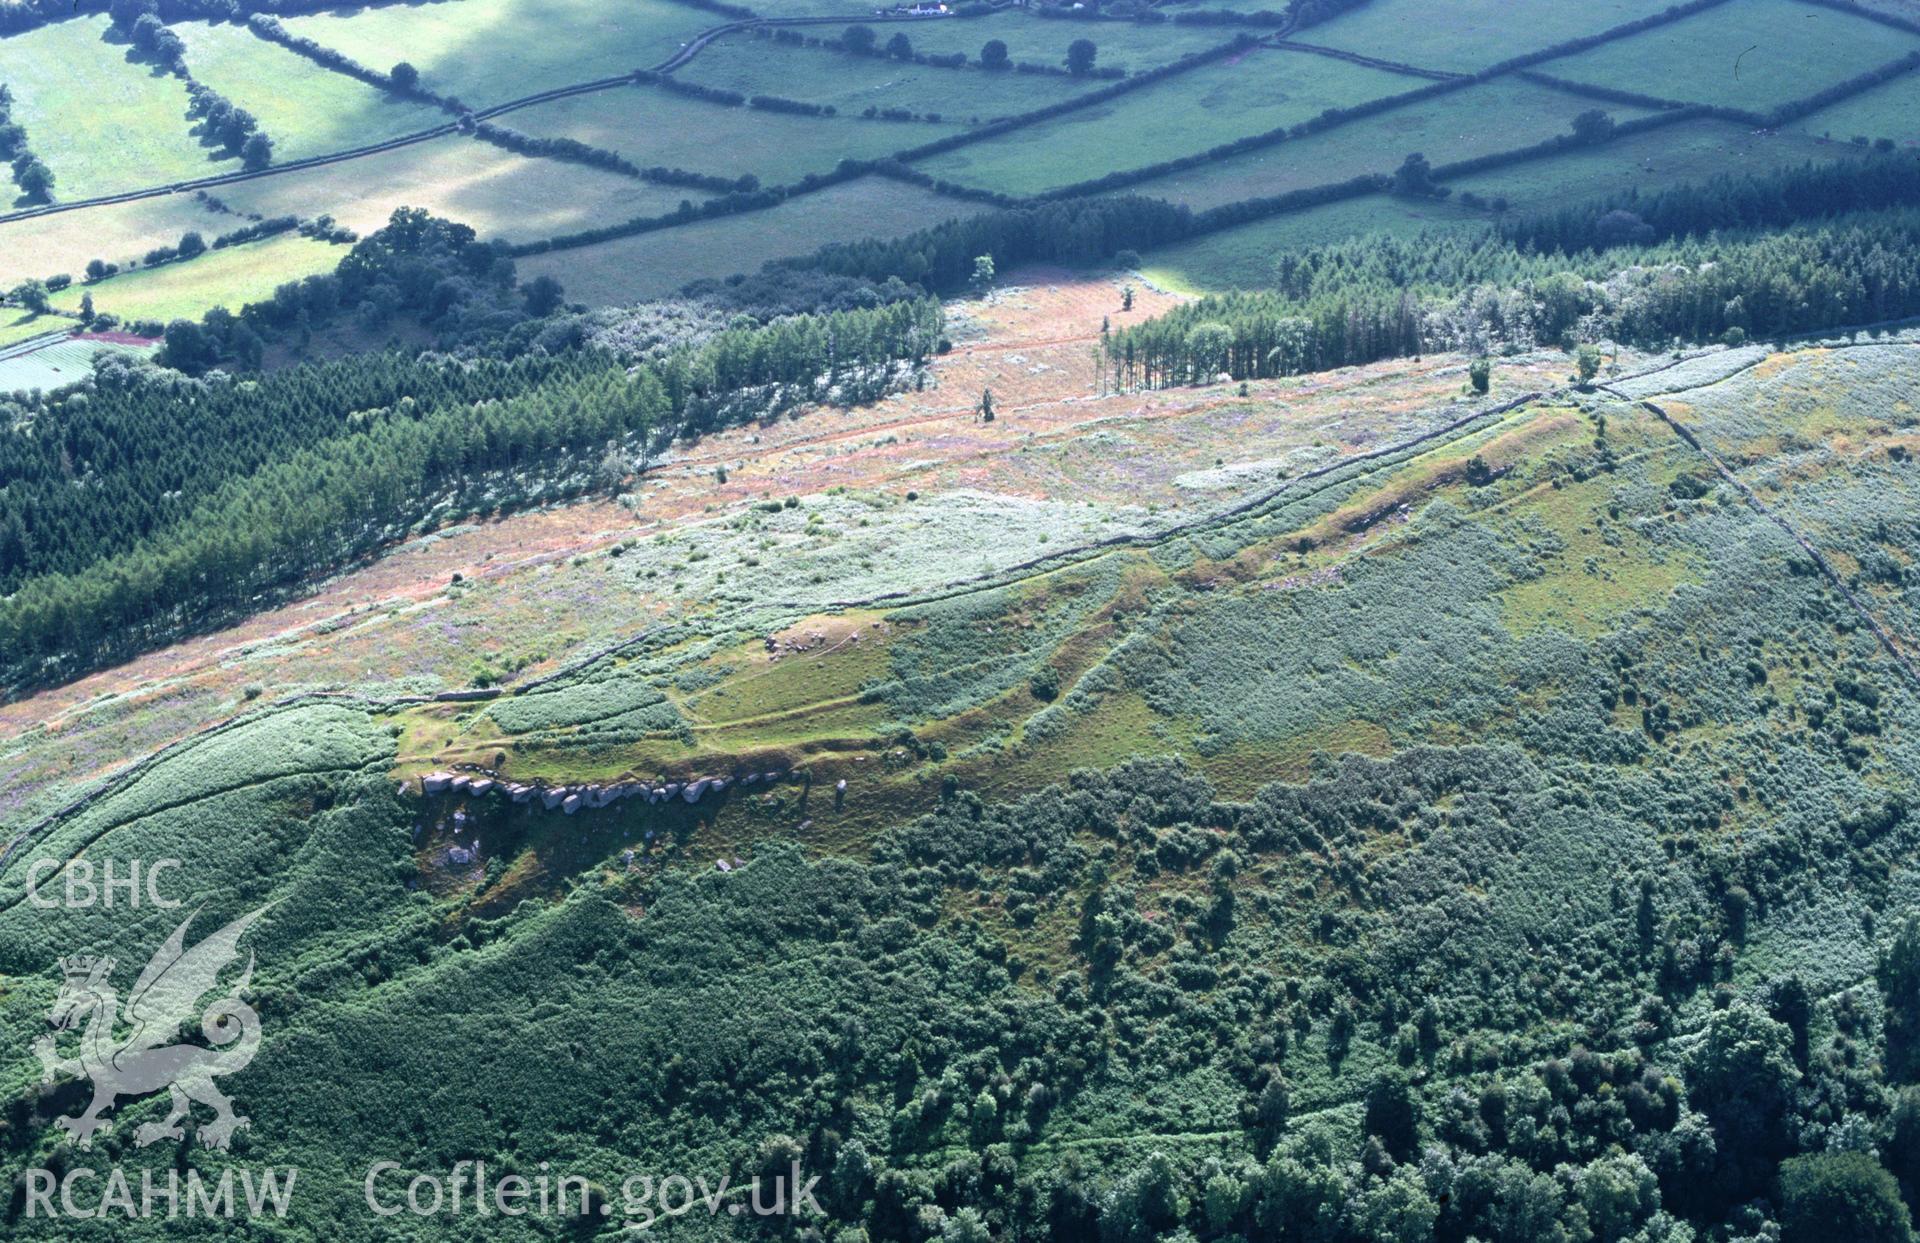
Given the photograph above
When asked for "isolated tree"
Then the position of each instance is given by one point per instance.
(256, 152)
(191, 244)
(859, 39)
(993, 55)
(982, 279)
(1080, 57)
(96, 269)
(986, 405)
(86, 308)
(31, 294)
(1414, 178)
(612, 470)
(34, 177)
(1126, 298)
(1480, 374)
(1586, 364)
(405, 76)
(900, 47)
(1592, 126)
(543, 295)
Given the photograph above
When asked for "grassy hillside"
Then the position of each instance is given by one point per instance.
(1544, 784)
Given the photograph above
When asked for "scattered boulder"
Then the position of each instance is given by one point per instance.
(570, 804)
(693, 792)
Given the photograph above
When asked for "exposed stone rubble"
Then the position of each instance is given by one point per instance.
(569, 799)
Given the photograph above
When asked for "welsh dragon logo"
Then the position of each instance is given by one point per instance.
(146, 1058)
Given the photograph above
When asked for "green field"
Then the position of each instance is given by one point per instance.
(59, 364)
(1243, 257)
(1686, 151)
(231, 277)
(499, 193)
(305, 108)
(1473, 121)
(64, 241)
(489, 51)
(1890, 110)
(1465, 35)
(650, 265)
(852, 84)
(102, 123)
(17, 325)
(1129, 45)
(651, 126)
(1244, 95)
(1751, 54)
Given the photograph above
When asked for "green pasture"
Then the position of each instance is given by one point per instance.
(1246, 94)
(489, 51)
(305, 108)
(1473, 121)
(754, 66)
(1464, 35)
(1752, 54)
(103, 123)
(231, 277)
(115, 232)
(649, 265)
(1669, 155)
(1243, 257)
(1890, 110)
(17, 325)
(1130, 45)
(59, 364)
(499, 193)
(652, 126)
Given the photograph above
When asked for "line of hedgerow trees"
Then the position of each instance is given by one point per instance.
(30, 172)
(203, 493)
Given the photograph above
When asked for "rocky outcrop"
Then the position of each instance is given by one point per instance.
(570, 799)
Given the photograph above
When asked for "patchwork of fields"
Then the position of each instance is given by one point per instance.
(973, 131)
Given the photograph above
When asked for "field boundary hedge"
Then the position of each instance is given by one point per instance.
(1873, 15)
(1134, 82)
(1607, 94)
(1252, 142)
(1563, 142)
(1678, 12)
(268, 28)
(1793, 110)
(1371, 62)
